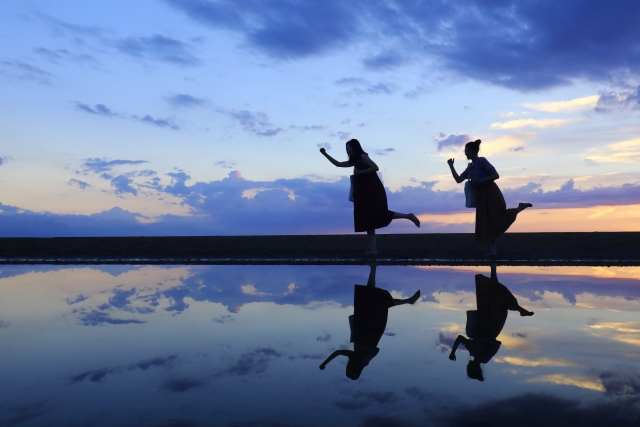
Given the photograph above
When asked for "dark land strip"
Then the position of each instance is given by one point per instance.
(603, 249)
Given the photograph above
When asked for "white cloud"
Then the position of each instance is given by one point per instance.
(536, 123)
(578, 104)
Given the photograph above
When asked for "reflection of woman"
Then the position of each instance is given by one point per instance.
(370, 210)
(492, 216)
(483, 326)
(371, 306)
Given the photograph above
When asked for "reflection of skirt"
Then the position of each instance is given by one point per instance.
(493, 300)
(370, 310)
(370, 209)
(492, 216)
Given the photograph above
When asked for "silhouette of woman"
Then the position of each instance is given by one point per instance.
(370, 209)
(368, 322)
(492, 216)
(483, 327)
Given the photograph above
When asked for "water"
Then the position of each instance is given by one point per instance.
(241, 346)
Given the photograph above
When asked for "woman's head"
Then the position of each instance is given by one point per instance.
(472, 148)
(354, 368)
(354, 149)
(474, 370)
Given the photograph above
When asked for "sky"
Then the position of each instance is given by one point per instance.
(204, 117)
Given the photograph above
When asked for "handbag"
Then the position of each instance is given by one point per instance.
(472, 323)
(470, 195)
(351, 189)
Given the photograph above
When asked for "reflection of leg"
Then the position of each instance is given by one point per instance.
(373, 250)
(411, 300)
(514, 306)
(411, 217)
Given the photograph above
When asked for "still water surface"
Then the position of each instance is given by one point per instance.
(242, 345)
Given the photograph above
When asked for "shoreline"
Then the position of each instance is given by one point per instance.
(596, 249)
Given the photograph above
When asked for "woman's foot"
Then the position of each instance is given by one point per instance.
(523, 206)
(524, 312)
(414, 219)
(414, 298)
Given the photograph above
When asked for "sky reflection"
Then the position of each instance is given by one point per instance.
(241, 345)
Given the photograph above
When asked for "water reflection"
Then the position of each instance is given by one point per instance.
(367, 323)
(241, 345)
(494, 300)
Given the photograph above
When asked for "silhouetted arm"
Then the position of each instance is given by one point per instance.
(373, 168)
(491, 177)
(453, 171)
(459, 340)
(334, 355)
(334, 161)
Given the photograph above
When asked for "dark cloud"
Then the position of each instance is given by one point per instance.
(185, 100)
(96, 318)
(18, 414)
(615, 101)
(308, 128)
(306, 356)
(62, 27)
(57, 56)
(120, 298)
(257, 123)
(362, 399)
(324, 145)
(122, 185)
(546, 410)
(621, 383)
(324, 338)
(181, 384)
(155, 362)
(522, 335)
(385, 151)
(361, 86)
(224, 164)
(98, 165)
(77, 182)
(384, 421)
(451, 141)
(253, 362)
(1, 161)
(78, 299)
(163, 123)
(159, 48)
(3, 324)
(445, 342)
(23, 71)
(99, 109)
(94, 376)
(520, 148)
(281, 29)
(522, 45)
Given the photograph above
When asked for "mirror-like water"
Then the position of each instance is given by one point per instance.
(242, 345)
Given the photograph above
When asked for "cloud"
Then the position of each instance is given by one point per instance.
(18, 414)
(2, 159)
(257, 123)
(24, 71)
(156, 362)
(79, 183)
(361, 86)
(385, 151)
(78, 299)
(453, 141)
(185, 100)
(324, 145)
(99, 109)
(224, 164)
(97, 318)
(621, 383)
(525, 46)
(619, 152)
(253, 362)
(98, 165)
(57, 56)
(181, 384)
(159, 48)
(615, 101)
(163, 123)
(577, 104)
(535, 123)
(308, 128)
(122, 185)
(94, 376)
(324, 338)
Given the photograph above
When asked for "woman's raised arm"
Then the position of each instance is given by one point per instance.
(334, 355)
(334, 161)
(453, 171)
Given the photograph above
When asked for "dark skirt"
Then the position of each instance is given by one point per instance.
(493, 300)
(370, 310)
(370, 209)
(492, 216)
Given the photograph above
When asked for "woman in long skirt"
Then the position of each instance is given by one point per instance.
(492, 216)
(370, 209)
(494, 301)
(369, 320)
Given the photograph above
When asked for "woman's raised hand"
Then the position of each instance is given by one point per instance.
(323, 151)
(450, 162)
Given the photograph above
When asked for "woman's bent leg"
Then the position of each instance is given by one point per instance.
(410, 216)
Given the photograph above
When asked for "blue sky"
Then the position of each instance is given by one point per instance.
(205, 117)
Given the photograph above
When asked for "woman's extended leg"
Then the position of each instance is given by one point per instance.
(411, 300)
(373, 250)
(514, 306)
(411, 217)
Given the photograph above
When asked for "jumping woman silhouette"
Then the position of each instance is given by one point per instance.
(492, 216)
(370, 209)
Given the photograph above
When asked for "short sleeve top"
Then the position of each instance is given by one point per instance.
(481, 168)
